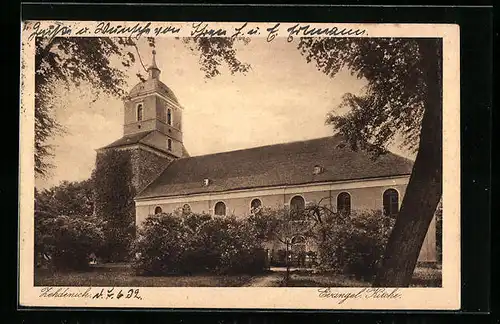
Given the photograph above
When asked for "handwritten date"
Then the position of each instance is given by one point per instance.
(117, 294)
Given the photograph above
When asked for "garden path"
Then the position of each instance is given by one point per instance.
(271, 279)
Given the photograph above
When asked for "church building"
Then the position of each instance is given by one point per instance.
(322, 170)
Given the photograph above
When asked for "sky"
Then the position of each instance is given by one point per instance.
(281, 99)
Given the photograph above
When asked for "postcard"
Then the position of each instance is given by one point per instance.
(239, 165)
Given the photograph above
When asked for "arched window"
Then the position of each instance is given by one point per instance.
(158, 210)
(169, 144)
(344, 203)
(169, 116)
(299, 239)
(139, 112)
(220, 208)
(391, 202)
(297, 203)
(186, 209)
(255, 206)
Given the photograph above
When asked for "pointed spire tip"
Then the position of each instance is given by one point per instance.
(153, 69)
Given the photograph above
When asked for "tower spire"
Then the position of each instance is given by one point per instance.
(153, 70)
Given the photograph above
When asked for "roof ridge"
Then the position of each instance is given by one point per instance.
(263, 146)
(145, 133)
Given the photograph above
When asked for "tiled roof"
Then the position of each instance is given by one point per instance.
(153, 85)
(274, 165)
(129, 139)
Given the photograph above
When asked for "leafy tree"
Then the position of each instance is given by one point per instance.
(62, 61)
(73, 199)
(66, 231)
(68, 241)
(403, 96)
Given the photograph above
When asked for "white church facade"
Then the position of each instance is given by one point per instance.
(321, 171)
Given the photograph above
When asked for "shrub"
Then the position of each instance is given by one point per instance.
(160, 244)
(68, 241)
(170, 244)
(238, 250)
(356, 246)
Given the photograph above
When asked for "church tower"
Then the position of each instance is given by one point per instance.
(152, 128)
(152, 106)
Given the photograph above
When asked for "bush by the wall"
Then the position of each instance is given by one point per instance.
(238, 250)
(356, 246)
(170, 244)
(160, 245)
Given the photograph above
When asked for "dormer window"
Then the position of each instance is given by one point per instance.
(139, 112)
(169, 144)
(206, 182)
(169, 116)
(318, 169)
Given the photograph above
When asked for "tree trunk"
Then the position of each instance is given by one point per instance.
(425, 186)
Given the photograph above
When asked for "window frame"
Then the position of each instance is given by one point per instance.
(141, 106)
(391, 203)
(169, 116)
(225, 208)
(252, 200)
(169, 144)
(294, 196)
(350, 202)
(183, 209)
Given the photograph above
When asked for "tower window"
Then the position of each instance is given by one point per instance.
(344, 203)
(169, 144)
(391, 202)
(139, 112)
(169, 116)
(220, 209)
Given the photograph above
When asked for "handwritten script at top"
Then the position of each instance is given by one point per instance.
(195, 30)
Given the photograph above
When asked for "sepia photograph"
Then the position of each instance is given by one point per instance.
(219, 159)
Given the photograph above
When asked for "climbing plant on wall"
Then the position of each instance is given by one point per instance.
(114, 204)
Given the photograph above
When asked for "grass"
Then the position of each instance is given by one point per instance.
(124, 277)
(426, 276)
(423, 277)
(325, 279)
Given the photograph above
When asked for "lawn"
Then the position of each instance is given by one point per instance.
(426, 276)
(309, 279)
(422, 277)
(124, 277)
